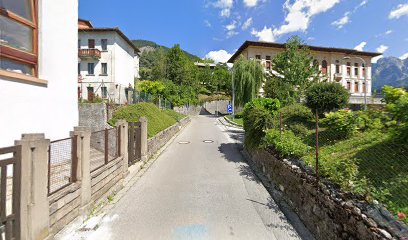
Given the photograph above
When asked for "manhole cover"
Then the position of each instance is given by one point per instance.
(208, 141)
(184, 142)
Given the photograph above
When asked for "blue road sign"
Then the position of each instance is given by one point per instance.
(229, 108)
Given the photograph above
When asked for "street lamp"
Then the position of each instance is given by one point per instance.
(365, 78)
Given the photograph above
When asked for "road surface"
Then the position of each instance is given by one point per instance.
(198, 190)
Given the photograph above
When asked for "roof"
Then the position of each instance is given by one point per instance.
(84, 24)
(313, 48)
(117, 30)
(211, 65)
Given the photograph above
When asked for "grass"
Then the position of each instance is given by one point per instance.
(369, 163)
(236, 120)
(157, 120)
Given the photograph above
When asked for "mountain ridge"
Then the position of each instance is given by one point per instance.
(390, 71)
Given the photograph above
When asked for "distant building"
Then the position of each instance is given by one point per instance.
(205, 65)
(38, 59)
(344, 66)
(108, 63)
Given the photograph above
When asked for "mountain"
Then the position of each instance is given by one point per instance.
(146, 47)
(390, 71)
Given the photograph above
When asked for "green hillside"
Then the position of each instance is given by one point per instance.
(140, 43)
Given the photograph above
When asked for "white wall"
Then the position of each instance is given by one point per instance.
(51, 109)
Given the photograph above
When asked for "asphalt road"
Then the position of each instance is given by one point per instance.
(198, 190)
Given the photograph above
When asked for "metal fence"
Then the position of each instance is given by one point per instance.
(105, 147)
(160, 101)
(62, 163)
(10, 190)
(369, 162)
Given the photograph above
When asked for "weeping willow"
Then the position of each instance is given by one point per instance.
(248, 78)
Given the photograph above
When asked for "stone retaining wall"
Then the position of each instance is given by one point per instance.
(156, 142)
(327, 212)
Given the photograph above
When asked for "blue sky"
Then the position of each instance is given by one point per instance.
(216, 28)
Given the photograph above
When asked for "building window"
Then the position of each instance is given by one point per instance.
(18, 38)
(356, 87)
(79, 43)
(79, 69)
(364, 88)
(91, 68)
(348, 86)
(90, 93)
(104, 44)
(364, 70)
(91, 43)
(79, 93)
(324, 67)
(348, 69)
(268, 62)
(104, 69)
(356, 69)
(337, 66)
(104, 92)
(258, 57)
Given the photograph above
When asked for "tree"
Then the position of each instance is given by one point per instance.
(294, 70)
(151, 87)
(325, 97)
(248, 78)
(222, 76)
(159, 66)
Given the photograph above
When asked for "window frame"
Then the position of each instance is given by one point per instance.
(102, 44)
(102, 69)
(93, 69)
(18, 55)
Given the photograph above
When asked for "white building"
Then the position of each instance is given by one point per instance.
(38, 42)
(349, 67)
(108, 63)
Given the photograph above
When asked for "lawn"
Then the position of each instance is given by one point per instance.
(369, 163)
(239, 121)
(157, 120)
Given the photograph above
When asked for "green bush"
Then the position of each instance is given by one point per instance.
(299, 130)
(157, 120)
(257, 117)
(372, 120)
(296, 113)
(325, 97)
(287, 145)
(343, 123)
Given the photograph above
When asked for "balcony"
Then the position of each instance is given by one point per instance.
(338, 76)
(89, 53)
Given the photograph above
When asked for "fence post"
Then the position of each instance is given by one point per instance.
(84, 166)
(317, 148)
(106, 146)
(123, 147)
(143, 138)
(34, 204)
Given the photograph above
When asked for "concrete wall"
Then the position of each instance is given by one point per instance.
(31, 108)
(327, 212)
(93, 115)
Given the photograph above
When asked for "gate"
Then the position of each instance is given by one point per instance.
(10, 190)
(134, 148)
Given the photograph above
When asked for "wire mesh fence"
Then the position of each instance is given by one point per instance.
(105, 147)
(62, 156)
(368, 160)
(160, 101)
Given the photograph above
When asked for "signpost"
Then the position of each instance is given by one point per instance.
(229, 108)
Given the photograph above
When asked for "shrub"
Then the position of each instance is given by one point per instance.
(325, 97)
(296, 113)
(288, 145)
(343, 123)
(258, 116)
(370, 120)
(299, 130)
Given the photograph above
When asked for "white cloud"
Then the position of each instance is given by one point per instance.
(300, 12)
(265, 34)
(231, 26)
(252, 3)
(219, 56)
(207, 23)
(360, 47)
(388, 32)
(247, 24)
(380, 49)
(342, 21)
(225, 6)
(405, 56)
(398, 12)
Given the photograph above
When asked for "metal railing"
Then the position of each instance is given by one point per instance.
(10, 190)
(62, 163)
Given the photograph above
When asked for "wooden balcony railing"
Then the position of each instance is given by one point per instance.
(89, 53)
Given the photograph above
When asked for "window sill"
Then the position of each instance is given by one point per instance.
(23, 78)
(103, 75)
(90, 74)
